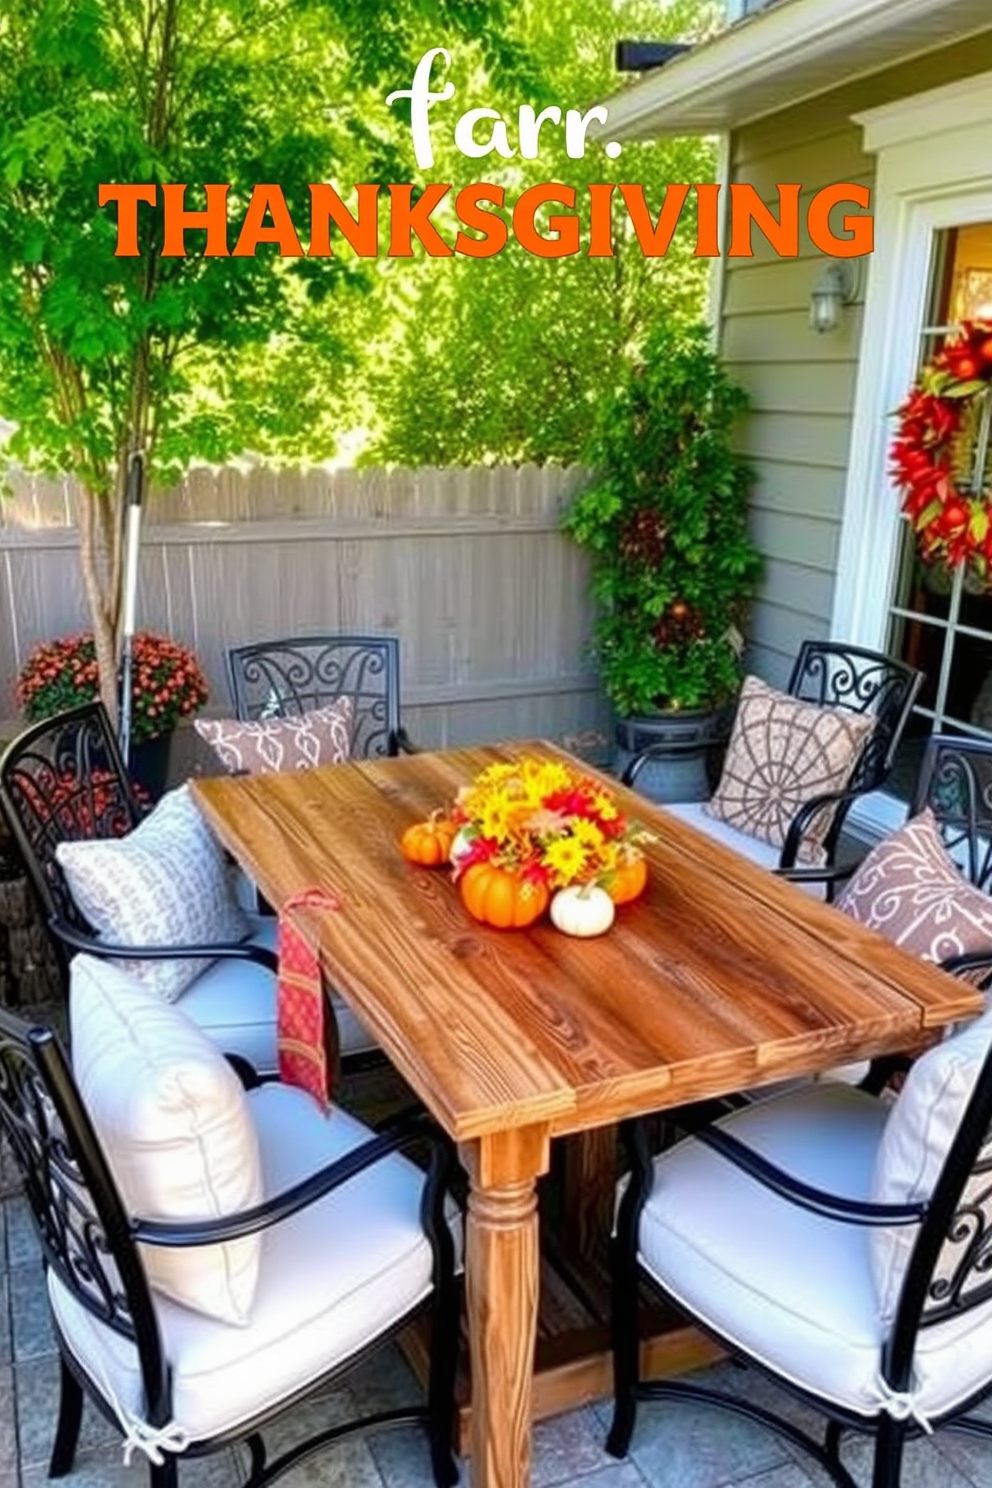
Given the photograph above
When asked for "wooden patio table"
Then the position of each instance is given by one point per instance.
(722, 976)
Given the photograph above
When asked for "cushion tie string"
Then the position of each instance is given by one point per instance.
(140, 1435)
(306, 1028)
(901, 1405)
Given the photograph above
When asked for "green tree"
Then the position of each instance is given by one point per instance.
(508, 357)
(184, 358)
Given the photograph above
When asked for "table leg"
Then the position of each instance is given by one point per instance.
(501, 1266)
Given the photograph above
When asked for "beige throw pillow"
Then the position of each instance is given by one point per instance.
(918, 1135)
(782, 753)
(910, 889)
(299, 742)
(176, 1129)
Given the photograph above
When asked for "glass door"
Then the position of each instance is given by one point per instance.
(938, 620)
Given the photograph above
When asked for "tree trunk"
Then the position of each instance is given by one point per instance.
(95, 561)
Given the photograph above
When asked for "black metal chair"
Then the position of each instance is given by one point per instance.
(118, 1337)
(955, 781)
(831, 674)
(833, 1241)
(274, 679)
(64, 780)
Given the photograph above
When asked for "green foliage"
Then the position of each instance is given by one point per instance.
(508, 357)
(665, 523)
(241, 91)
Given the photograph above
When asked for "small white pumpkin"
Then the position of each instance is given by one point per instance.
(582, 910)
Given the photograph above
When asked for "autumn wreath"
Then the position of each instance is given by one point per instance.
(933, 454)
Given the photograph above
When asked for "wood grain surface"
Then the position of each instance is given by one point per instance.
(720, 977)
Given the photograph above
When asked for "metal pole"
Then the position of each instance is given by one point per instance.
(132, 541)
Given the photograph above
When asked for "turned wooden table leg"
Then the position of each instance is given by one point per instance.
(501, 1266)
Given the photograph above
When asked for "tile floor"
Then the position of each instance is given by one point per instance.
(674, 1446)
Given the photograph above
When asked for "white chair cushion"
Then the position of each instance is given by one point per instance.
(165, 883)
(332, 1279)
(234, 1001)
(175, 1127)
(794, 1290)
(918, 1136)
(765, 854)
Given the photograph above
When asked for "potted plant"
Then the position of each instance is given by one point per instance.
(168, 685)
(664, 520)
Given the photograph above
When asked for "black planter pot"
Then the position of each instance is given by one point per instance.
(686, 751)
(148, 765)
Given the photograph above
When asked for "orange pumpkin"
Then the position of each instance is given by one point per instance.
(428, 842)
(629, 879)
(500, 898)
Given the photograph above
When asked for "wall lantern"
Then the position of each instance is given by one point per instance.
(835, 287)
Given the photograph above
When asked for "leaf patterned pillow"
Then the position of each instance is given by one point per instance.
(783, 752)
(165, 883)
(911, 890)
(299, 742)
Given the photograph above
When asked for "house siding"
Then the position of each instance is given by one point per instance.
(801, 385)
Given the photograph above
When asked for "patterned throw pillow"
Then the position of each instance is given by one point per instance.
(321, 737)
(165, 883)
(910, 889)
(783, 752)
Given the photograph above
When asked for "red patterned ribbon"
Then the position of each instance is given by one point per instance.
(306, 1030)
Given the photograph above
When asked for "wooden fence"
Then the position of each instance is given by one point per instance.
(466, 566)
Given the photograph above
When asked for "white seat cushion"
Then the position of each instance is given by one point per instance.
(235, 1003)
(331, 1279)
(765, 854)
(172, 1118)
(792, 1289)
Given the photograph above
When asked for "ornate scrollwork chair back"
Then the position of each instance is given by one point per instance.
(275, 679)
(833, 674)
(955, 781)
(63, 780)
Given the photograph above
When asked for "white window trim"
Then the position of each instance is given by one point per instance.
(934, 171)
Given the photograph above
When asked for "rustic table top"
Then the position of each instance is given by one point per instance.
(721, 976)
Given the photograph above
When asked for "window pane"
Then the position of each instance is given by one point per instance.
(938, 622)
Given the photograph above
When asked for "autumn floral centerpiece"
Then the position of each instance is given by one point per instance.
(168, 681)
(539, 831)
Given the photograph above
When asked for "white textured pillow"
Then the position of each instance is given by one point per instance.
(918, 1134)
(165, 883)
(175, 1127)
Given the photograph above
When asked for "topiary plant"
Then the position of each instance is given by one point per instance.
(664, 519)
